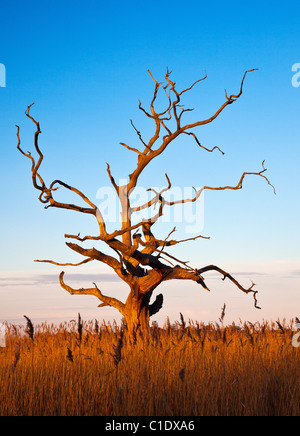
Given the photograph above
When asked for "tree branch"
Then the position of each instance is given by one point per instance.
(65, 264)
(139, 135)
(112, 179)
(106, 301)
(46, 195)
(229, 276)
(223, 188)
(71, 188)
(200, 145)
(155, 199)
(229, 100)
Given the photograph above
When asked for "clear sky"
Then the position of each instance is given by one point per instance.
(85, 66)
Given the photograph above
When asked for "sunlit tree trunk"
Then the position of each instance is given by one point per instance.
(137, 312)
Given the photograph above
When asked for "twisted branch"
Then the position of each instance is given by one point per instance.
(229, 276)
(106, 301)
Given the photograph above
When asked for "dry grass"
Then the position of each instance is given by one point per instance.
(185, 369)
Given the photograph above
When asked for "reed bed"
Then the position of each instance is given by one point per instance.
(188, 368)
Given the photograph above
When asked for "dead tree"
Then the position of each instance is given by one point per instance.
(142, 261)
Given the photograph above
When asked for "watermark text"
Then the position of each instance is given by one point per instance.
(2, 76)
(296, 337)
(180, 206)
(2, 335)
(296, 76)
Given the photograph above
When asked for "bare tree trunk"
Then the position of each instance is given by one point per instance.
(137, 312)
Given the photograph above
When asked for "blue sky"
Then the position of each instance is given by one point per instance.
(85, 66)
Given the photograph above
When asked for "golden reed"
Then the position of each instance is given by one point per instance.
(185, 369)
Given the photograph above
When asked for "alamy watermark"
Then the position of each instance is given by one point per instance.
(2, 335)
(296, 76)
(2, 76)
(296, 337)
(182, 205)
